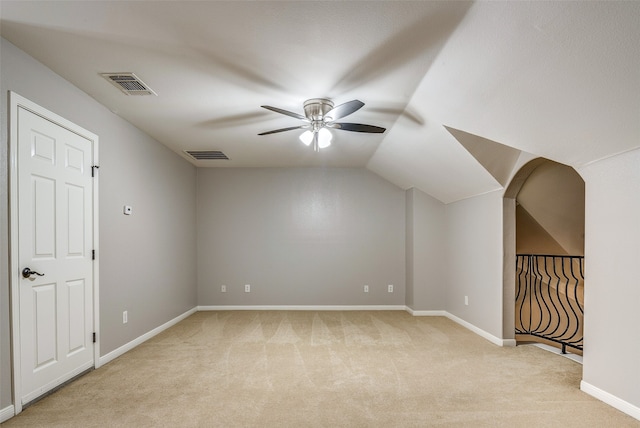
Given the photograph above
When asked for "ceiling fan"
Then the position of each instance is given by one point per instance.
(319, 115)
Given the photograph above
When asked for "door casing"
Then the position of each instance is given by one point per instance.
(15, 102)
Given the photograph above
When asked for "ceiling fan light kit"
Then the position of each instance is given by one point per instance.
(320, 114)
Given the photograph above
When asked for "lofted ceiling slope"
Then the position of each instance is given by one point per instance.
(555, 79)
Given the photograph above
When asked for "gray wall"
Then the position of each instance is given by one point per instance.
(307, 236)
(425, 255)
(5, 350)
(408, 249)
(147, 260)
(474, 261)
(612, 282)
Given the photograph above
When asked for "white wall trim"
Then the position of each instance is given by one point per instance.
(96, 247)
(141, 339)
(573, 357)
(129, 346)
(490, 337)
(7, 413)
(611, 399)
(304, 308)
(509, 343)
(426, 313)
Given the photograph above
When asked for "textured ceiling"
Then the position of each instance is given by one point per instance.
(555, 79)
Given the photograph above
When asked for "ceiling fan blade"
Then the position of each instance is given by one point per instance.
(343, 110)
(283, 129)
(358, 127)
(286, 112)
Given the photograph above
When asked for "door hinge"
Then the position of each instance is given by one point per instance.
(93, 169)
(94, 337)
(93, 254)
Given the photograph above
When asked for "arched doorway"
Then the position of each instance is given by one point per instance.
(544, 256)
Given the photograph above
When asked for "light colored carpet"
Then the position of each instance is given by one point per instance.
(325, 369)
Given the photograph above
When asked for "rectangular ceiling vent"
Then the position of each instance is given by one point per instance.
(128, 83)
(206, 154)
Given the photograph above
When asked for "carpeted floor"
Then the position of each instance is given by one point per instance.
(325, 369)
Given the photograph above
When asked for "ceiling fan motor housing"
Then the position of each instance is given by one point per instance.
(316, 108)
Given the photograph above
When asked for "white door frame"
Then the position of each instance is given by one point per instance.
(15, 102)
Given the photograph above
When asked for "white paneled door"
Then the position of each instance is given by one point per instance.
(54, 246)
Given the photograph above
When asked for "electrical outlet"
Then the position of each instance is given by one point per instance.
(125, 317)
(390, 288)
(366, 288)
(223, 288)
(466, 300)
(247, 288)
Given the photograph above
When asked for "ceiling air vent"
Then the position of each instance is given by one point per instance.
(206, 154)
(128, 83)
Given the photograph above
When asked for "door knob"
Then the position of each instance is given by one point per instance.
(26, 272)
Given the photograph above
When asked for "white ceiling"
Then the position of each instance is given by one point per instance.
(556, 79)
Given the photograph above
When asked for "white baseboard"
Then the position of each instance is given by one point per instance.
(473, 328)
(426, 313)
(557, 351)
(7, 413)
(490, 337)
(305, 308)
(611, 400)
(129, 346)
